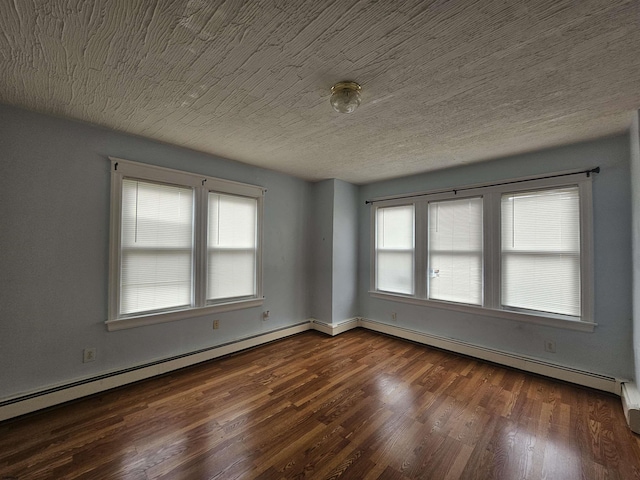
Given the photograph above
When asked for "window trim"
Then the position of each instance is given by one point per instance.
(491, 194)
(427, 244)
(412, 250)
(202, 185)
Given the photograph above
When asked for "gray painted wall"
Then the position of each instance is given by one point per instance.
(334, 250)
(635, 210)
(345, 251)
(54, 215)
(609, 349)
(322, 251)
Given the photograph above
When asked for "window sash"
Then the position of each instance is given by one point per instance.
(540, 250)
(232, 244)
(156, 262)
(454, 250)
(141, 294)
(395, 249)
(526, 288)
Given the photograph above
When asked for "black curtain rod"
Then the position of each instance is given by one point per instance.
(456, 190)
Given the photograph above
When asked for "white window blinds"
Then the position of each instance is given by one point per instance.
(395, 249)
(157, 247)
(541, 251)
(232, 247)
(182, 245)
(455, 250)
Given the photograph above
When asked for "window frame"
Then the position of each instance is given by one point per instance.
(491, 194)
(428, 252)
(411, 250)
(201, 185)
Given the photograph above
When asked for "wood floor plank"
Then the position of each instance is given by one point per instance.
(360, 405)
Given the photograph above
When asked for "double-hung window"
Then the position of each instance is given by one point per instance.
(156, 247)
(182, 245)
(519, 250)
(455, 250)
(540, 251)
(395, 249)
(231, 246)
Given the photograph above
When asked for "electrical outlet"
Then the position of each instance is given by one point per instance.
(88, 355)
(394, 316)
(216, 324)
(265, 315)
(550, 346)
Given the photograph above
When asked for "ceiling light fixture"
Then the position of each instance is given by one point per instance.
(345, 97)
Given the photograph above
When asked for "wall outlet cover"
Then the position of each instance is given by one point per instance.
(88, 355)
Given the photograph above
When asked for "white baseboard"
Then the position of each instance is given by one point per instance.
(334, 329)
(579, 377)
(631, 405)
(33, 401)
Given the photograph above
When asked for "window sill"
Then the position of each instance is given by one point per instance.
(581, 326)
(142, 320)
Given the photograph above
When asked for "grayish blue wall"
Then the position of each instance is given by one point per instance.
(345, 251)
(54, 205)
(334, 232)
(635, 209)
(322, 251)
(609, 349)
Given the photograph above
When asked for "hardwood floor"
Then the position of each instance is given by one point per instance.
(356, 406)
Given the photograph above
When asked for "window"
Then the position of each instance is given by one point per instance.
(541, 251)
(182, 245)
(455, 250)
(156, 248)
(232, 247)
(394, 249)
(521, 250)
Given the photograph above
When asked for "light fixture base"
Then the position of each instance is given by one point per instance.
(345, 96)
(348, 85)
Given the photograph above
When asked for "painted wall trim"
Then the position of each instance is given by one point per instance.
(631, 405)
(334, 329)
(38, 400)
(572, 375)
(577, 325)
(144, 320)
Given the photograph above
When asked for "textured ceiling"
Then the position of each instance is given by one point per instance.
(444, 82)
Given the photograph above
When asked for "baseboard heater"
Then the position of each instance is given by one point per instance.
(527, 364)
(30, 402)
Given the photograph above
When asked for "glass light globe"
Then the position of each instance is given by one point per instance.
(345, 97)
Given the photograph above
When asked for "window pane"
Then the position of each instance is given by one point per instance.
(548, 283)
(395, 227)
(155, 280)
(232, 246)
(455, 250)
(394, 249)
(541, 251)
(231, 273)
(395, 272)
(157, 246)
